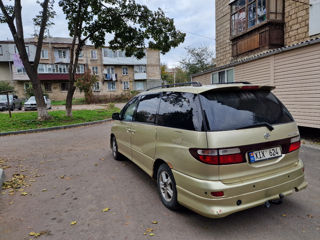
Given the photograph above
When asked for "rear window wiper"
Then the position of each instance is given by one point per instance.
(267, 125)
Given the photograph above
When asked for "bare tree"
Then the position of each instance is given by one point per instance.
(12, 15)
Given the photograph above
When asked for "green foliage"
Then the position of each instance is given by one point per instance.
(5, 86)
(133, 25)
(166, 76)
(85, 84)
(28, 120)
(198, 60)
(37, 20)
(30, 92)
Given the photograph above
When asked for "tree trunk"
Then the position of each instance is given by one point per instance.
(71, 91)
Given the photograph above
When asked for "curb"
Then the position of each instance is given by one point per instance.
(54, 128)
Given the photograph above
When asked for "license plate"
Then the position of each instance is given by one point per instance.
(264, 154)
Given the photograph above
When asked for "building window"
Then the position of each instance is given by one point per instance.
(64, 86)
(80, 68)
(111, 86)
(41, 68)
(125, 71)
(246, 14)
(61, 68)
(44, 54)
(94, 54)
(95, 70)
(107, 52)
(81, 55)
(126, 86)
(47, 87)
(139, 86)
(62, 53)
(314, 17)
(96, 87)
(21, 70)
(26, 86)
(140, 69)
(225, 76)
(1, 50)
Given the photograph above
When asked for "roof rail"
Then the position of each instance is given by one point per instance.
(194, 84)
(234, 83)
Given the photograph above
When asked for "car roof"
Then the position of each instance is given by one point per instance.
(204, 88)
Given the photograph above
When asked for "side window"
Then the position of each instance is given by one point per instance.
(127, 115)
(147, 108)
(180, 110)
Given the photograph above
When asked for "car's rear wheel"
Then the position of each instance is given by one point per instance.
(167, 187)
(114, 148)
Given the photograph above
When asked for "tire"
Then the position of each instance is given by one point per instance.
(13, 107)
(167, 187)
(114, 147)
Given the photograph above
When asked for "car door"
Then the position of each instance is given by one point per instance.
(122, 128)
(143, 132)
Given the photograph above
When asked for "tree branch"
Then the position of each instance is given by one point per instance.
(41, 33)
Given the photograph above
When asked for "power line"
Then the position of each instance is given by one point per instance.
(198, 35)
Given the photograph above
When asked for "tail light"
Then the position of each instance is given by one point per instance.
(294, 144)
(217, 156)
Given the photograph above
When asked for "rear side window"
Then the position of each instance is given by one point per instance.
(147, 108)
(180, 110)
(230, 110)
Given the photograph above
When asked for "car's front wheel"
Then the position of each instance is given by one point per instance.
(167, 187)
(114, 148)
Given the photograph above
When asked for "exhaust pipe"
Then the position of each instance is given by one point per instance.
(275, 201)
(267, 204)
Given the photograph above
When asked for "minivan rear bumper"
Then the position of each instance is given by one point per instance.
(196, 194)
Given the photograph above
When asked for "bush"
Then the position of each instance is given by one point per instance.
(5, 86)
(123, 97)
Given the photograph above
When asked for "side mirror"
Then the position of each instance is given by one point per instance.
(115, 116)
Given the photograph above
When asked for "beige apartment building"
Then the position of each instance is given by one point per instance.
(273, 42)
(117, 73)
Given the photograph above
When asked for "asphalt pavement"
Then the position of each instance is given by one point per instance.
(77, 191)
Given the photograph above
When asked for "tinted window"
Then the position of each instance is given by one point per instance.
(147, 108)
(240, 109)
(128, 110)
(180, 110)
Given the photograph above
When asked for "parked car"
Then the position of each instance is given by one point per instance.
(14, 102)
(215, 149)
(31, 104)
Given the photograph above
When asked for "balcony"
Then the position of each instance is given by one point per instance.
(140, 76)
(116, 58)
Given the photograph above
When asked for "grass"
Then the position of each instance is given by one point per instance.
(28, 120)
(75, 101)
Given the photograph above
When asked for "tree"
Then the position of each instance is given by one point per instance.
(85, 84)
(12, 15)
(197, 60)
(133, 26)
(5, 86)
(166, 77)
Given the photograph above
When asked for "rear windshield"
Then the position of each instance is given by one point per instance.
(231, 110)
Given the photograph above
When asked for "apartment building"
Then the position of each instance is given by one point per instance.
(273, 42)
(117, 73)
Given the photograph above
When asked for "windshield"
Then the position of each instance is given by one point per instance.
(32, 99)
(4, 98)
(228, 110)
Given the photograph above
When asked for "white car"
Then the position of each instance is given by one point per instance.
(1, 178)
(31, 104)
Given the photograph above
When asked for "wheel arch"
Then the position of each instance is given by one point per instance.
(111, 136)
(157, 163)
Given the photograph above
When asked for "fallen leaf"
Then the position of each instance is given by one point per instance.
(284, 215)
(151, 234)
(145, 233)
(106, 210)
(149, 230)
(34, 234)
(154, 222)
(44, 190)
(73, 223)
(24, 193)
(62, 177)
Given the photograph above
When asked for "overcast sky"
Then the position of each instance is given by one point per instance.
(195, 18)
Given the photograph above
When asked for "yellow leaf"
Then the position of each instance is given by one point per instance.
(154, 222)
(34, 234)
(145, 233)
(44, 190)
(24, 193)
(106, 210)
(73, 223)
(151, 234)
(62, 177)
(149, 230)
(284, 215)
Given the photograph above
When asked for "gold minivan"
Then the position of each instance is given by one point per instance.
(215, 149)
